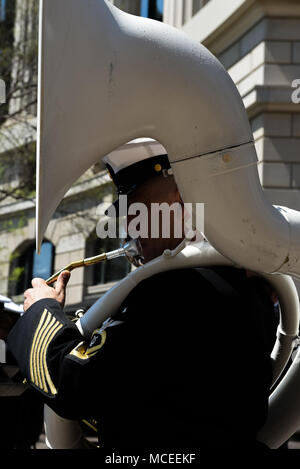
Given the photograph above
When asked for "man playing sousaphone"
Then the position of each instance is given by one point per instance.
(181, 358)
(152, 375)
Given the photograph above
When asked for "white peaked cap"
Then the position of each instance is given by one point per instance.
(132, 152)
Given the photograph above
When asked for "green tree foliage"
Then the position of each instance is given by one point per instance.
(6, 49)
(18, 68)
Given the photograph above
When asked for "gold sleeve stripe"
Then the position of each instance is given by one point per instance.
(49, 323)
(33, 374)
(37, 345)
(46, 330)
(43, 358)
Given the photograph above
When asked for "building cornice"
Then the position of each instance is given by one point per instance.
(220, 23)
(269, 98)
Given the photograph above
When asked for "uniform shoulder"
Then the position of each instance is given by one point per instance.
(171, 277)
(165, 284)
(194, 276)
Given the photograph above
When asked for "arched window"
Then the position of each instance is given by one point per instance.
(27, 264)
(107, 271)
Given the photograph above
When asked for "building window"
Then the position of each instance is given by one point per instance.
(152, 9)
(198, 4)
(26, 264)
(106, 271)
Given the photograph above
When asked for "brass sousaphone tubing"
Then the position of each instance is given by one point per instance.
(131, 250)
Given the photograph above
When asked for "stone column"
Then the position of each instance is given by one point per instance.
(188, 10)
(174, 12)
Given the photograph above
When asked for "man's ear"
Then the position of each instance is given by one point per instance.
(173, 189)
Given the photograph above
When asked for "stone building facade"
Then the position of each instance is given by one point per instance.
(258, 42)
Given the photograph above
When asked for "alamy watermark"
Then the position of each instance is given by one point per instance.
(296, 94)
(2, 92)
(155, 220)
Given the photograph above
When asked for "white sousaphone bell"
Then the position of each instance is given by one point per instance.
(106, 78)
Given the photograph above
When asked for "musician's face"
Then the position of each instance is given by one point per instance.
(157, 190)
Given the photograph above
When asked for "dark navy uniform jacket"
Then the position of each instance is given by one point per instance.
(185, 363)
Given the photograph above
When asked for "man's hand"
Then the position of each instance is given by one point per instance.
(41, 290)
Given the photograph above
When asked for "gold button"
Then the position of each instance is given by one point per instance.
(157, 168)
